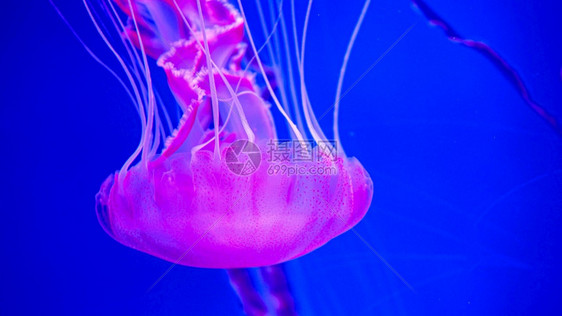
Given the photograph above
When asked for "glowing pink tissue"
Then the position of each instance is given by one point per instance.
(181, 202)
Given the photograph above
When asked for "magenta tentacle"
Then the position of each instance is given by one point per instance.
(501, 64)
(276, 291)
(241, 282)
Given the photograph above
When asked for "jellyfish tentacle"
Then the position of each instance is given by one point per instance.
(266, 80)
(125, 39)
(186, 124)
(226, 121)
(500, 63)
(343, 70)
(317, 134)
(275, 19)
(268, 36)
(274, 62)
(257, 117)
(278, 288)
(178, 83)
(241, 282)
(166, 114)
(237, 103)
(297, 53)
(247, 67)
(309, 113)
(289, 62)
(276, 297)
(195, 149)
(249, 133)
(148, 140)
(136, 70)
(134, 57)
(277, 68)
(214, 100)
(94, 56)
(266, 33)
(187, 84)
(306, 105)
(140, 102)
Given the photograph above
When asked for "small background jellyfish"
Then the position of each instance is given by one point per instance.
(467, 178)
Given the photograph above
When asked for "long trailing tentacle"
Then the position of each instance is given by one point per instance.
(140, 101)
(241, 282)
(147, 140)
(510, 73)
(272, 54)
(289, 64)
(278, 290)
(343, 69)
(267, 83)
(214, 98)
(309, 116)
(233, 93)
(276, 297)
(93, 55)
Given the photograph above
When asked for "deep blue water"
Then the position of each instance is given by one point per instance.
(468, 180)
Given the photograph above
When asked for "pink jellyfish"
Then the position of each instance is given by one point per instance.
(209, 191)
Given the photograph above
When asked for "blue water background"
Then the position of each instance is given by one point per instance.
(467, 179)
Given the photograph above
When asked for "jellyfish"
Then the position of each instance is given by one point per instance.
(208, 191)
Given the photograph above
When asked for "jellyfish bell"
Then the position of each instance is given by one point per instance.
(181, 201)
